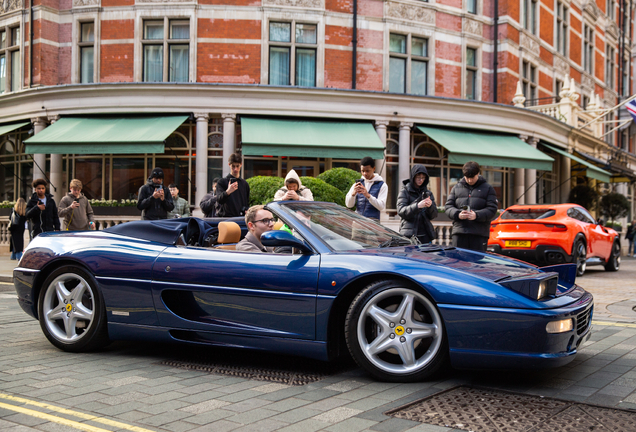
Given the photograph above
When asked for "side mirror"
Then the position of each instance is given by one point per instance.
(283, 238)
(600, 222)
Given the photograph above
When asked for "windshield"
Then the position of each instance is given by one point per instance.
(341, 229)
(528, 213)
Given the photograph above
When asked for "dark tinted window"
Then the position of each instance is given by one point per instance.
(586, 217)
(528, 214)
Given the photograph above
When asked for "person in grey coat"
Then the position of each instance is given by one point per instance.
(258, 221)
(416, 206)
(471, 205)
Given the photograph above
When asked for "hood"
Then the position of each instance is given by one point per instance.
(417, 169)
(293, 176)
(376, 178)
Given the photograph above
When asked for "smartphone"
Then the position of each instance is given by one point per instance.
(359, 181)
(157, 186)
(40, 202)
(232, 180)
(466, 207)
(76, 200)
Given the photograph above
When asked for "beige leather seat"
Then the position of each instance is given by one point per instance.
(229, 235)
(278, 225)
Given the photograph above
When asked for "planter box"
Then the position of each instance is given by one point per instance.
(116, 211)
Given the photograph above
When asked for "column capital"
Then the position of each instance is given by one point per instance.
(53, 118)
(41, 120)
(533, 141)
(201, 116)
(405, 125)
(228, 117)
(381, 124)
(523, 138)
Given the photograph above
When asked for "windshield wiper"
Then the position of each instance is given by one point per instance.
(394, 241)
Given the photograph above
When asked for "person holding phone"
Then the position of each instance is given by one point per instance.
(75, 210)
(369, 193)
(471, 205)
(155, 200)
(416, 206)
(232, 192)
(42, 210)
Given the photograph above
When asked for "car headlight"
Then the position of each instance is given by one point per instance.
(560, 326)
(535, 286)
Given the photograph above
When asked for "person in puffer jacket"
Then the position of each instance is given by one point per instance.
(471, 205)
(293, 189)
(416, 206)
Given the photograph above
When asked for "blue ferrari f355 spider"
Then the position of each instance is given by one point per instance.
(339, 283)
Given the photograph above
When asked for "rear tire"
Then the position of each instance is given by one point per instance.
(71, 310)
(579, 257)
(614, 262)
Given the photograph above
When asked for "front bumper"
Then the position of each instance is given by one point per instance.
(23, 280)
(542, 255)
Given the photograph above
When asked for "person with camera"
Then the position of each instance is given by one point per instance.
(293, 189)
(258, 221)
(75, 209)
(471, 205)
(41, 210)
(232, 192)
(155, 200)
(416, 207)
(369, 193)
(181, 206)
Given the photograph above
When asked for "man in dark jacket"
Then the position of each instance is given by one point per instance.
(155, 200)
(41, 210)
(232, 192)
(208, 202)
(416, 206)
(471, 205)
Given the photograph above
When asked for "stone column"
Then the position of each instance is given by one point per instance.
(519, 186)
(380, 164)
(564, 178)
(229, 140)
(57, 187)
(531, 178)
(201, 162)
(39, 165)
(404, 155)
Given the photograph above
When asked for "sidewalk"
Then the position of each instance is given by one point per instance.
(6, 269)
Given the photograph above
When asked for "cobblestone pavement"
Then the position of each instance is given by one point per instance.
(124, 387)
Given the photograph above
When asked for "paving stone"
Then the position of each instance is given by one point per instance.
(351, 425)
(166, 417)
(164, 407)
(180, 426)
(248, 404)
(218, 426)
(296, 415)
(201, 397)
(266, 425)
(318, 394)
(204, 406)
(366, 404)
(252, 416)
(394, 425)
(337, 414)
(240, 396)
(211, 417)
(309, 425)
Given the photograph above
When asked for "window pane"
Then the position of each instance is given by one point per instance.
(397, 43)
(88, 32)
(128, 177)
(279, 32)
(153, 63)
(3, 39)
(397, 75)
(419, 47)
(179, 63)
(278, 66)
(15, 36)
(306, 33)
(179, 30)
(471, 55)
(153, 30)
(472, 6)
(418, 77)
(15, 70)
(305, 67)
(3, 73)
(470, 84)
(87, 64)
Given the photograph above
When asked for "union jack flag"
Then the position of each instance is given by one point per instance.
(631, 108)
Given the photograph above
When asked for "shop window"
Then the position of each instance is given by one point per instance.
(292, 47)
(87, 51)
(562, 18)
(471, 73)
(9, 59)
(166, 39)
(408, 64)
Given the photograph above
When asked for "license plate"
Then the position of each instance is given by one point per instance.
(518, 243)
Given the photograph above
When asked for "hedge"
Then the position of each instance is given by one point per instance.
(263, 189)
(341, 178)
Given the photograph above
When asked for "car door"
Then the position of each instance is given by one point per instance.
(599, 240)
(229, 291)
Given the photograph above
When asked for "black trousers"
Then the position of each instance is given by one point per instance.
(470, 241)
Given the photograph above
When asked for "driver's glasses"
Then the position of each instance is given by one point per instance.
(267, 221)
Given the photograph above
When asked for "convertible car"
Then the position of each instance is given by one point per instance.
(339, 283)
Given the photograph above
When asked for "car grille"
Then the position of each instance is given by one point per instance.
(583, 321)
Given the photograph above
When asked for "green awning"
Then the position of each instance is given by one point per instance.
(488, 149)
(310, 138)
(11, 127)
(105, 135)
(591, 171)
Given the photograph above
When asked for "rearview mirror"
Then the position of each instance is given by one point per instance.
(283, 238)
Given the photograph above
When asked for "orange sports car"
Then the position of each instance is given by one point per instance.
(554, 234)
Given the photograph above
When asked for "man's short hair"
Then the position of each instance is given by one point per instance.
(471, 169)
(235, 158)
(75, 184)
(38, 182)
(292, 180)
(250, 214)
(368, 161)
(216, 180)
(172, 185)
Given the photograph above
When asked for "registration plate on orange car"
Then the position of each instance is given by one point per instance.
(518, 243)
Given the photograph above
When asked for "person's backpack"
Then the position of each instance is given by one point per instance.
(15, 219)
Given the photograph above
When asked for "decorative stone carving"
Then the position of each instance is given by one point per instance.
(561, 65)
(315, 4)
(612, 29)
(530, 44)
(519, 99)
(587, 82)
(411, 12)
(10, 5)
(158, 1)
(473, 27)
(609, 99)
(592, 9)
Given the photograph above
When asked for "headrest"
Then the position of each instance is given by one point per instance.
(229, 232)
(278, 225)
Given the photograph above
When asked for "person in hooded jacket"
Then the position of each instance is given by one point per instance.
(416, 206)
(471, 205)
(369, 193)
(42, 210)
(155, 200)
(293, 189)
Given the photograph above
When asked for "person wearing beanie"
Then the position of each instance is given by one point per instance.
(293, 189)
(155, 200)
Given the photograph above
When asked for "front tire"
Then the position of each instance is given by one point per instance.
(71, 310)
(579, 256)
(614, 262)
(395, 333)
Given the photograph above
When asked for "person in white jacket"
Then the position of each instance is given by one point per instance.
(293, 189)
(369, 193)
